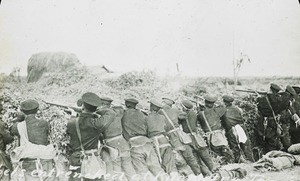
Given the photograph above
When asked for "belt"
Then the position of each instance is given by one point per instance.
(211, 132)
(192, 133)
(91, 152)
(34, 159)
(135, 138)
(156, 138)
(173, 130)
(113, 138)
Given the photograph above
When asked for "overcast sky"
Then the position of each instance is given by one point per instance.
(202, 36)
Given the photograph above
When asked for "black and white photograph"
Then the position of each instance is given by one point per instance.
(149, 90)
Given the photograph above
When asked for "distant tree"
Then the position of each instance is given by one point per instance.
(237, 63)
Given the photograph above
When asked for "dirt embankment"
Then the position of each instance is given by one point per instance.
(48, 62)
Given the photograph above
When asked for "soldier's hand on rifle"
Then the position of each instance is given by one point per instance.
(73, 113)
(19, 117)
(297, 123)
(296, 118)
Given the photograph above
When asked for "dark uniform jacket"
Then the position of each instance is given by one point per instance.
(191, 117)
(156, 124)
(295, 131)
(113, 129)
(174, 137)
(90, 129)
(37, 130)
(5, 138)
(213, 117)
(232, 117)
(173, 114)
(134, 123)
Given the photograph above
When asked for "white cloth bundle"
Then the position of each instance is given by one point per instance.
(30, 150)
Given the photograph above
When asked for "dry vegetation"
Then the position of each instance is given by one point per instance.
(67, 87)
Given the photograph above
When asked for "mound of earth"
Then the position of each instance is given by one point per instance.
(45, 62)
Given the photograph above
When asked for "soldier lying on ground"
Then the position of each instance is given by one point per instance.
(279, 160)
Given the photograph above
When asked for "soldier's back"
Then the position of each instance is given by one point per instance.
(133, 123)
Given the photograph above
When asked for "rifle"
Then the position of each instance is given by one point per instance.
(77, 109)
(252, 91)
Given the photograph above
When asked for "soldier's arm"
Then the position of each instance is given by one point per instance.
(14, 129)
(181, 117)
(6, 136)
(103, 121)
(200, 120)
(220, 111)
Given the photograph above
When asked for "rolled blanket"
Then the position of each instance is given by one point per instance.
(294, 149)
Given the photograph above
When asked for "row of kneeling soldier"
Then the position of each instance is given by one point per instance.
(111, 143)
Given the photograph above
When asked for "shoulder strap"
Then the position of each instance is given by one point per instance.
(78, 133)
(189, 126)
(168, 118)
(205, 120)
(273, 113)
(269, 104)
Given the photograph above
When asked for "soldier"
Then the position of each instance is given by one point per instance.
(210, 121)
(5, 138)
(84, 133)
(295, 120)
(156, 131)
(173, 132)
(36, 132)
(144, 158)
(188, 120)
(117, 147)
(236, 133)
(289, 117)
(268, 129)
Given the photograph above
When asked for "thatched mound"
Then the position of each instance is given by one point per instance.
(40, 63)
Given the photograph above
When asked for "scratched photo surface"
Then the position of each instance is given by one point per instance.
(54, 51)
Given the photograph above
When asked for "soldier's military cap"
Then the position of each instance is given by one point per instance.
(29, 105)
(228, 98)
(297, 89)
(168, 99)
(275, 86)
(210, 99)
(91, 99)
(188, 104)
(132, 100)
(106, 99)
(290, 90)
(155, 103)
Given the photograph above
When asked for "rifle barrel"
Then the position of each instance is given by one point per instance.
(77, 109)
(251, 91)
